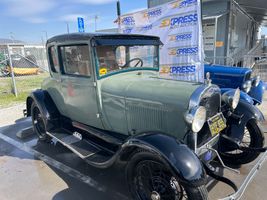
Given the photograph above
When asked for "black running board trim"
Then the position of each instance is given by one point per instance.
(97, 133)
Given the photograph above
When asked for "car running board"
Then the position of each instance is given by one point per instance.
(85, 149)
(98, 133)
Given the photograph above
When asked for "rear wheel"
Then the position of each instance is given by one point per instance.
(38, 123)
(150, 178)
(253, 138)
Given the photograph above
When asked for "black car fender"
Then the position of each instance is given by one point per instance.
(182, 160)
(46, 106)
(248, 112)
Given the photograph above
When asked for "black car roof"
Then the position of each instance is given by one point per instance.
(88, 36)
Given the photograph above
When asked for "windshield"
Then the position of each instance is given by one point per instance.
(113, 59)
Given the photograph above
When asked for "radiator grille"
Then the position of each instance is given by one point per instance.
(148, 116)
(213, 106)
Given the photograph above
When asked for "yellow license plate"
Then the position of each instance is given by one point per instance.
(217, 124)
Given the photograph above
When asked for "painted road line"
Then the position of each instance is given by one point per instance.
(58, 165)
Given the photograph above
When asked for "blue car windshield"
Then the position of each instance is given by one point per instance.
(114, 59)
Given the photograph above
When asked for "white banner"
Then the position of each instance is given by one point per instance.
(178, 24)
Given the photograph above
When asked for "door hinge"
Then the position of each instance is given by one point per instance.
(98, 115)
(94, 84)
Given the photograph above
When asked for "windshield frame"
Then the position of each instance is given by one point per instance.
(128, 69)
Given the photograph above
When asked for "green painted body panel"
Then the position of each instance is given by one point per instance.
(134, 102)
(76, 98)
(52, 86)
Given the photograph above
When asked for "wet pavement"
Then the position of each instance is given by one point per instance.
(32, 170)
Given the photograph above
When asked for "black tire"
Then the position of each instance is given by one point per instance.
(158, 181)
(253, 138)
(38, 123)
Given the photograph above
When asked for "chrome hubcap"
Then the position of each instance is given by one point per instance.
(155, 196)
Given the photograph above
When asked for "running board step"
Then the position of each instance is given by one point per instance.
(84, 148)
(97, 133)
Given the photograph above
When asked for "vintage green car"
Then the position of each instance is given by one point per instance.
(106, 102)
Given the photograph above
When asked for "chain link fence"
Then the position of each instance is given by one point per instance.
(21, 71)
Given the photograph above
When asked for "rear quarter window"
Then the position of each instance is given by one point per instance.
(75, 60)
(53, 59)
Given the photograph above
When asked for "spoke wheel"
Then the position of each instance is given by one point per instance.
(150, 178)
(38, 123)
(154, 182)
(247, 141)
(253, 138)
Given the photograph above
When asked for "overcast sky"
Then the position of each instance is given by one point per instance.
(28, 19)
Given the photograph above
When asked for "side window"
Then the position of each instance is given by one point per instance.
(75, 60)
(53, 59)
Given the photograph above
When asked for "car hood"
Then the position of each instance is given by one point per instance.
(148, 86)
(226, 69)
(139, 102)
(227, 77)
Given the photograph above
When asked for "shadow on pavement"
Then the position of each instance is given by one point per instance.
(77, 174)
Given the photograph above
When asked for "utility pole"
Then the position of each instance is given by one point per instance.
(119, 14)
(14, 89)
(68, 28)
(96, 18)
(42, 39)
(43, 43)
(11, 35)
(201, 10)
(46, 37)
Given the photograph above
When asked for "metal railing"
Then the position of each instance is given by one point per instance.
(255, 54)
(220, 60)
(248, 59)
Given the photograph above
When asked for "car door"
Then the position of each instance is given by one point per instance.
(78, 84)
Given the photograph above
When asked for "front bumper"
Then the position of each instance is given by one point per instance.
(237, 195)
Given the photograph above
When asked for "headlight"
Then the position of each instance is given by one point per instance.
(256, 81)
(231, 98)
(247, 86)
(196, 118)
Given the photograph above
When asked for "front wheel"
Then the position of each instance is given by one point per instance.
(38, 123)
(253, 138)
(149, 178)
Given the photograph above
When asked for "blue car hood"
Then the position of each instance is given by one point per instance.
(227, 77)
(226, 69)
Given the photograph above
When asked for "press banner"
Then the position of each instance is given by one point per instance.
(178, 24)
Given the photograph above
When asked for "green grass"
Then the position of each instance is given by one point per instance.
(7, 100)
(25, 84)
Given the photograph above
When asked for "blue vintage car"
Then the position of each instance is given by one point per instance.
(236, 77)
